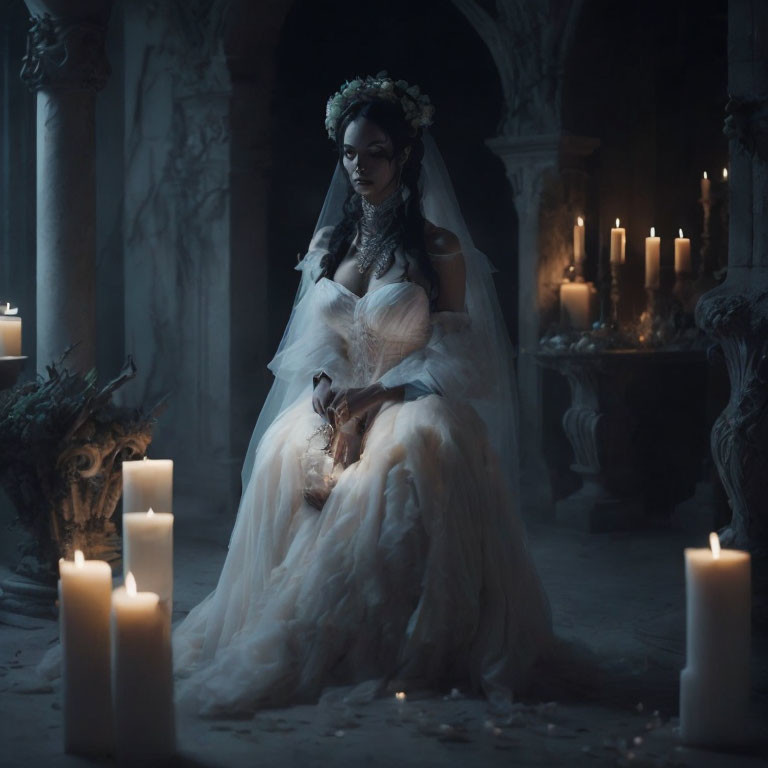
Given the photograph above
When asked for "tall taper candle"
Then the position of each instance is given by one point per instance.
(652, 260)
(682, 254)
(714, 686)
(85, 593)
(578, 241)
(148, 551)
(705, 186)
(618, 244)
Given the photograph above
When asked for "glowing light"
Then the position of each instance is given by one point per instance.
(79, 558)
(705, 174)
(725, 174)
(130, 585)
(714, 543)
(617, 223)
(400, 695)
(681, 232)
(150, 512)
(653, 231)
(580, 221)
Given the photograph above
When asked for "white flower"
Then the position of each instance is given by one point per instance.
(355, 84)
(386, 85)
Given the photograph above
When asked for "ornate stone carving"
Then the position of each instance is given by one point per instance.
(739, 439)
(64, 54)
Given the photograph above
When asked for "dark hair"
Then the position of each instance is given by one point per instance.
(410, 220)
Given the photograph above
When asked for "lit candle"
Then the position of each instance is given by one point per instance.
(5, 309)
(652, 260)
(148, 483)
(578, 241)
(10, 334)
(85, 591)
(682, 254)
(574, 305)
(148, 551)
(725, 174)
(142, 681)
(705, 182)
(714, 686)
(618, 244)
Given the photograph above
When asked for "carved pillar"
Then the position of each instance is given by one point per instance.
(736, 312)
(66, 64)
(533, 165)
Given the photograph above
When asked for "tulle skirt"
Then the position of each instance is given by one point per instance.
(416, 570)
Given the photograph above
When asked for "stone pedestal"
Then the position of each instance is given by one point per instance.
(736, 312)
(66, 65)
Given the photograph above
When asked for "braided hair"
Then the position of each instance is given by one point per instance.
(409, 221)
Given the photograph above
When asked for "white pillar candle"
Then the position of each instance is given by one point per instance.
(148, 483)
(652, 260)
(618, 244)
(574, 305)
(682, 253)
(578, 241)
(142, 679)
(10, 336)
(148, 551)
(714, 686)
(85, 592)
(705, 184)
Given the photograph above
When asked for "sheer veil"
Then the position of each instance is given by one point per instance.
(488, 380)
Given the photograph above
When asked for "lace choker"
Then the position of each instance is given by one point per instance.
(377, 236)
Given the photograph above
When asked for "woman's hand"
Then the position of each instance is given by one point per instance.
(346, 443)
(355, 401)
(322, 396)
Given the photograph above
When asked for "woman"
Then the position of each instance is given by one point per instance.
(377, 537)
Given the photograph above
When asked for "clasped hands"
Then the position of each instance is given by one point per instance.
(343, 410)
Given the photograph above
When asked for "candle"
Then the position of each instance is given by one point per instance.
(578, 241)
(714, 686)
(85, 591)
(705, 182)
(682, 254)
(5, 309)
(652, 260)
(148, 551)
(574, 305)
(10, 336)
(148, 483)
(142, 681)
(618, 244)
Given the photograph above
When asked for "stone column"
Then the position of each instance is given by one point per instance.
(736, 312)
(533, 165)
(66, 64)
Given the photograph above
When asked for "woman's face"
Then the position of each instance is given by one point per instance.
(369, 160)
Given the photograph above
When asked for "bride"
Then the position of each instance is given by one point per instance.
(377, 536)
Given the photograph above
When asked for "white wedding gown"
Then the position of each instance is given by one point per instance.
(416, 569)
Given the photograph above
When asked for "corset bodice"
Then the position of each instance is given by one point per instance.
(380, 328)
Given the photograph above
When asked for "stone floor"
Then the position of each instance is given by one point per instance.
(619, 597)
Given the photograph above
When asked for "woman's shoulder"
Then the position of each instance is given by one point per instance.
(440, 243)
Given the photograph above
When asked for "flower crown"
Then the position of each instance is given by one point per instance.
(416, 106)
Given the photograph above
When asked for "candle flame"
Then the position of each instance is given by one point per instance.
(580, 221)
(150, 512)
(400, 695)
(130, 584)
(681, 232)
(705, 174)
(617, 223)
(79, 558)
(725, 173)
(714, 543)
(146, 458)
(653, 231)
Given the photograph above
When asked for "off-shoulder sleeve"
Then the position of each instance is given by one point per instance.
(448, 365)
